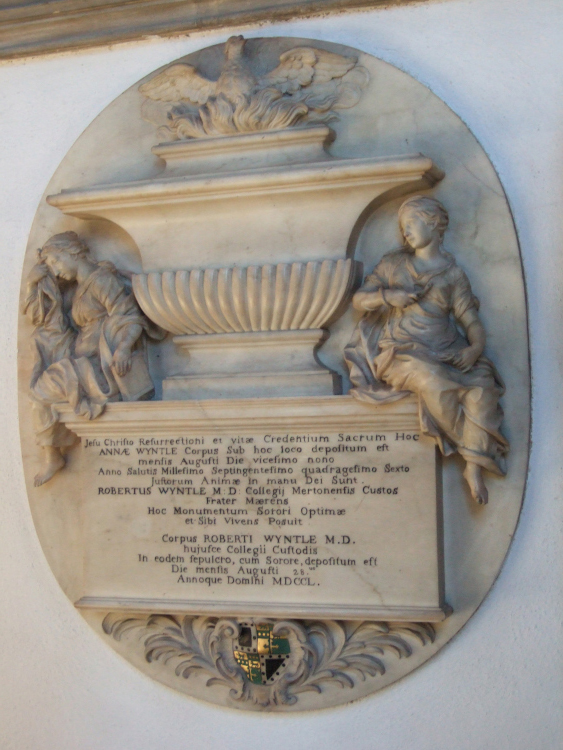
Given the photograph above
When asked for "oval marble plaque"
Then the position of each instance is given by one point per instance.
(258, 469)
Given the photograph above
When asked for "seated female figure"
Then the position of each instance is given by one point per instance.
(89, 342)
(421, 334)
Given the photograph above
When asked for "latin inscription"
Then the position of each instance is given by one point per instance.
(279, 516)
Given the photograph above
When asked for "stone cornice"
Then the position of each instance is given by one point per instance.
(30, 27)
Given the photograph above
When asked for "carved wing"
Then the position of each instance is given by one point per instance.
(177, 83)
(304, 66)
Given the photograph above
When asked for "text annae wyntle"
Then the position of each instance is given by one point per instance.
(271, 510)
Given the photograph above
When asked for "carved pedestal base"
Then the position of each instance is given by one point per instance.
(259, 364)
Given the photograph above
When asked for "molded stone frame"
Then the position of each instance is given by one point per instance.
(32, 28)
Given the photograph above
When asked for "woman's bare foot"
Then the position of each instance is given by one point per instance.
(53, 461)
(474, 477)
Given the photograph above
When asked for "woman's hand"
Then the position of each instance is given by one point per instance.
(400, 298)
(38, 272)
(372, 299)
(122, 360)
(466, 358)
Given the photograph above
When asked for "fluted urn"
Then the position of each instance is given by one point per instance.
(282, 297)
(244, 242)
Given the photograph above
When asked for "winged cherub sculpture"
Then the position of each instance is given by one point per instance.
(307, 85)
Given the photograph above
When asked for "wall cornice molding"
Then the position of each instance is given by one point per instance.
(32, 28)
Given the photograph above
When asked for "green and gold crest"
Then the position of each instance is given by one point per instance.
(261, 654)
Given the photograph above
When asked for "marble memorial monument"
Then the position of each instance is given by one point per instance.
(274, 379)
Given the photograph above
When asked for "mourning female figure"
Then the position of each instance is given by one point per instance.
(421, 333)
(89, 342)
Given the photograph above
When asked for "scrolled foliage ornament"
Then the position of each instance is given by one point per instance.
(320, 653)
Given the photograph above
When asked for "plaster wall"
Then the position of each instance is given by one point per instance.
(498, 685)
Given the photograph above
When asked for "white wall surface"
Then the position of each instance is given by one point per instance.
(499, 684)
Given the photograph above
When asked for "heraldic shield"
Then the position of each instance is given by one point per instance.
(262, 655)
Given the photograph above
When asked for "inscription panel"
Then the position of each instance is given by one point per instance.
(296, 522)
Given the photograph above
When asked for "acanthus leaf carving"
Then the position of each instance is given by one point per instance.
(320, 653)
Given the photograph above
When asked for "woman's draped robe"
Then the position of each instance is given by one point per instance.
(397, 351)
(73, 365)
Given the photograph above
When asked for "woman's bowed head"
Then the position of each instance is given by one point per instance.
(89, 342)
(421, 333)
(66, 257)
